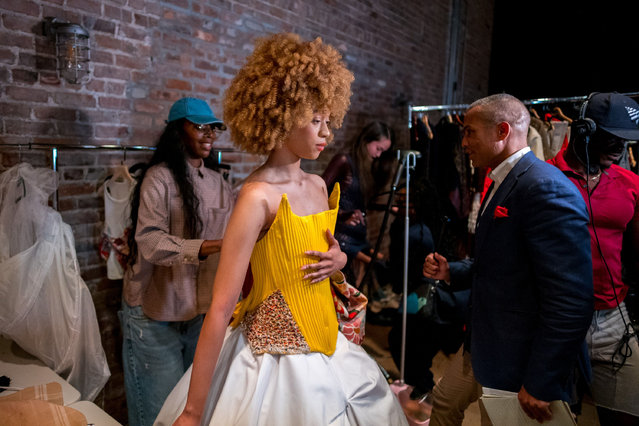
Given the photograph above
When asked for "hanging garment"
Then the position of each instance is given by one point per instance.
(45, 306)
(117, 212)
(542, 127)
(535, 143)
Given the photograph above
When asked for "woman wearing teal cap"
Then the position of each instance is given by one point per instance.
(179, 213)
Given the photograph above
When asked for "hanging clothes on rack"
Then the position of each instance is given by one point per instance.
(41, 291)
(117, 221)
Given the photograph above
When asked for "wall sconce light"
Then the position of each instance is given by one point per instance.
(71, 47)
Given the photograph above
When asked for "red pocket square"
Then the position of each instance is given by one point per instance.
(500, 212)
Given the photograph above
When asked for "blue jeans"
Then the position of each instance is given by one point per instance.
(155, 355)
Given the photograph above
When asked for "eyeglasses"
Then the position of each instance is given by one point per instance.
(208, 128)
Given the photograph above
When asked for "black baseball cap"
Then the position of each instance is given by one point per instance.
(615, 113)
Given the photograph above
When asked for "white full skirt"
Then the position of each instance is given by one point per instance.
(346, 388)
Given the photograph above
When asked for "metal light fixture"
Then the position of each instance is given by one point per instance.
(72, 49)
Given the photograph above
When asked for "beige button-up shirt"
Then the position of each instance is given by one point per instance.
(168, 279)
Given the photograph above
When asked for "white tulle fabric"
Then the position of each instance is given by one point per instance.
(346, 388)
(45, 306)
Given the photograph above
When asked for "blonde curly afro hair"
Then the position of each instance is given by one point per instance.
(284, 81)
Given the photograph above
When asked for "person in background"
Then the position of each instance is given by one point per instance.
(433, 326)
(179, 213)
(598, 140)
(530, 277)
(282, 360)
(353, 171)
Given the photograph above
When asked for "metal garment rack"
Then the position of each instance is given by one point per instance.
(461, 107)
(55, 147)
(54, 153)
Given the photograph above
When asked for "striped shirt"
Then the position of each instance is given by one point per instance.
(168, 279)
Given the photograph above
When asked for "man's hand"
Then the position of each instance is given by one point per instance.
(535, 408)
(436, 267)
(329, 262)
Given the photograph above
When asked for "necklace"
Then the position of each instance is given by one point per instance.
(593, 180)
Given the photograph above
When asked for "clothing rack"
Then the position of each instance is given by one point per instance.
(124, 148)
(461, 107)
(55, 147)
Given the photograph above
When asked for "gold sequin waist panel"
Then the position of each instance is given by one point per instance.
(271, 328)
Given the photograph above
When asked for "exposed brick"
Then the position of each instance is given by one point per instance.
(103, 57)
(74, 128)
(199, 88)
(90, 6)
(45, 63)
(77, 100)
(205, 65)
(108, 71)
(27, 127)
(67, 204)
(73, 173)
(193, 74)
(127, 16)
(93, 272)
(115, 88)
(113, 131)
(148, 106)
(90, 203)
(75, 158)
(27, 94)
(173, 83)
(104, 26)
(14, 110)
(69, 189)
(131, 62)
(24, 76)
(113, 12)
(22, 6)
(96, 85)
(97, 116)
(7, 56)
(69, 15)
(184, 4)
(57, 140)
(130, 32)
(54, 113)
(22, 41)
(104, 41)
(114, 103)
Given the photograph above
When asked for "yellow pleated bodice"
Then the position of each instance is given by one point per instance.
(276, 264)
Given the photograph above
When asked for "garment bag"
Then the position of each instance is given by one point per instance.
(45, 306)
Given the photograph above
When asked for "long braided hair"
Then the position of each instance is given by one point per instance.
(170, 150)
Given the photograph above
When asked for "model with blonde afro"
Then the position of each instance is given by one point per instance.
(283, 82)
(282, 359)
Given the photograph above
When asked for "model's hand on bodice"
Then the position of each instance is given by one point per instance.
(328, 262)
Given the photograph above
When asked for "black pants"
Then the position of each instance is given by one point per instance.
(424, 338)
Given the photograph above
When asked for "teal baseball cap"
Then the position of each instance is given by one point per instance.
(195, 110)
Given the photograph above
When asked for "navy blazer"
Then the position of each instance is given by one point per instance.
(532, 292)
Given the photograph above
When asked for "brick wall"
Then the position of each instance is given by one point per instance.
(145, 54)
